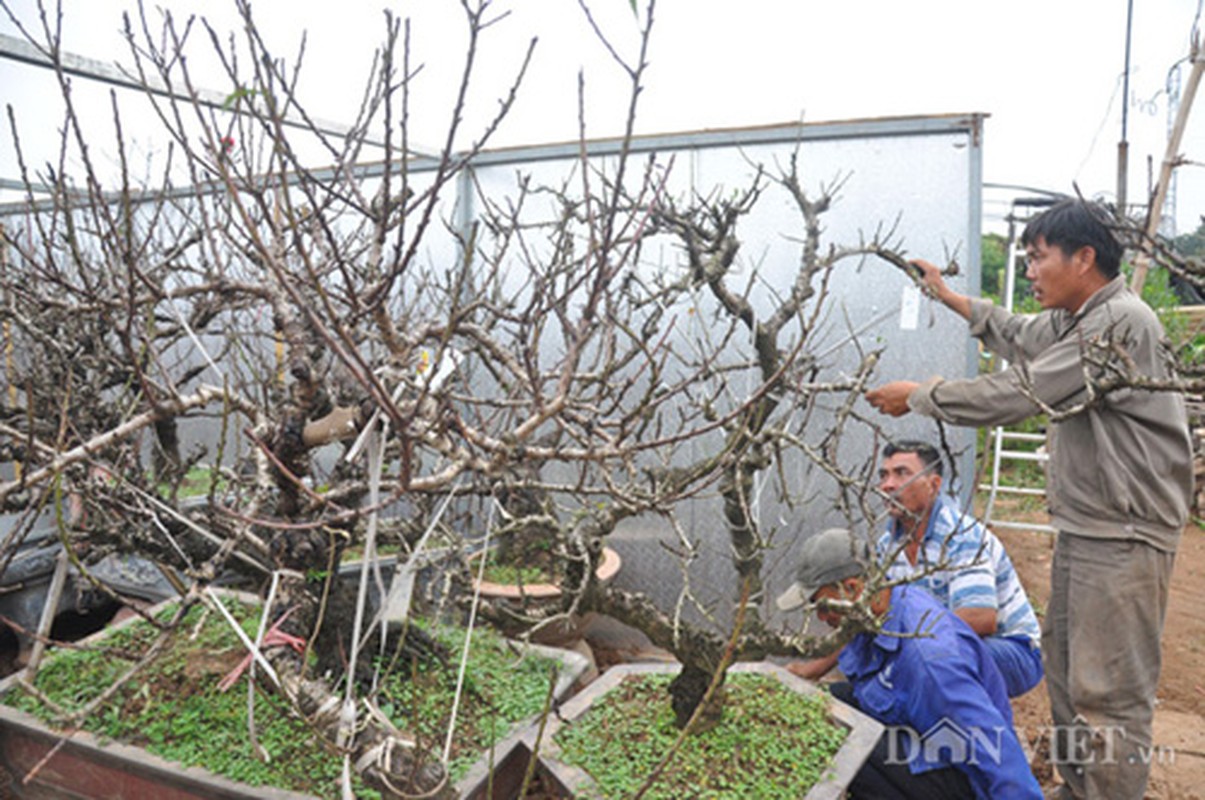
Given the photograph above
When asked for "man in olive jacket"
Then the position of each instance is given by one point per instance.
(1119, 480)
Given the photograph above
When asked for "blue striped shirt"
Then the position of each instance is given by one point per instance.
(979, 573)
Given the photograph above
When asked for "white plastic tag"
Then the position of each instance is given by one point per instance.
(910, 309)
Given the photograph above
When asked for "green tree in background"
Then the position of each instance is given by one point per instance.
(993, 257)
(1192, 245)
(994, 261)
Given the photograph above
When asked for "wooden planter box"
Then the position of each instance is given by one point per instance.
(514, 753)
(81, 767)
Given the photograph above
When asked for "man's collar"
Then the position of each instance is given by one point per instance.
(865, 652)
(888, 639)
(1102, 295)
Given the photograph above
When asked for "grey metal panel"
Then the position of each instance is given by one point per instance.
(788, 134)
(920, 176)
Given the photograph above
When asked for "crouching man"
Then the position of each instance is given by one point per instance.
(976, 581)
(925, 675)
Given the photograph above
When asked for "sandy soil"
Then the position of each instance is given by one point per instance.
(1179, 769)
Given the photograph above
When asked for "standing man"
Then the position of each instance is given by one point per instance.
(1119, 481)
(959, 561)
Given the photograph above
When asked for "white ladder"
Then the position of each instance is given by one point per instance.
(1002, 440)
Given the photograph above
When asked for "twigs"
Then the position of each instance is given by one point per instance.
(621, 354)
(716, 681)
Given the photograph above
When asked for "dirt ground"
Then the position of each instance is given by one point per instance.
(1178, 770)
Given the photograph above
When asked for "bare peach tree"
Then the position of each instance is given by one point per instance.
(347, 350)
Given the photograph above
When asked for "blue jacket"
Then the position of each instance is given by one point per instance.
(928, 677)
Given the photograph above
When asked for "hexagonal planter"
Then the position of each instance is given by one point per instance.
(81, 766)
(862, 732)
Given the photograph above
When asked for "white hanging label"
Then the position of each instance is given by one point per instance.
(910, 309)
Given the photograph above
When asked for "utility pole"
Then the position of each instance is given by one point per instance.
(1173, 89)
(1171, 159)
(1123, 147)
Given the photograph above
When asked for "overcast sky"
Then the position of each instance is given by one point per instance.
(1048, 72)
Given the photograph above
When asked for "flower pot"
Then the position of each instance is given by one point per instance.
(605, 572)
(862, 732)
(534, 601)
(82, 766)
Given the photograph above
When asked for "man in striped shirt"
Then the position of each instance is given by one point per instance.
(933, 542)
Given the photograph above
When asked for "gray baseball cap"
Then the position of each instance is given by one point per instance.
(828, 557)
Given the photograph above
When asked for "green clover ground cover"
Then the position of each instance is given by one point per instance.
(514, 574)
(173, 709)
(500, 690)
(771, 743)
